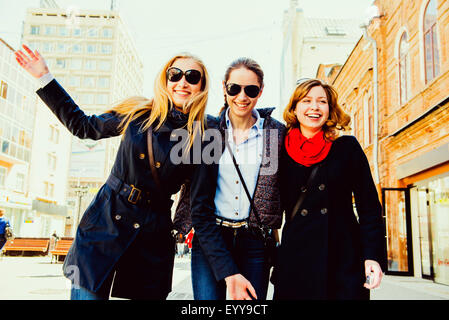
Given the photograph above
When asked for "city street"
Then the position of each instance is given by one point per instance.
(36, 278)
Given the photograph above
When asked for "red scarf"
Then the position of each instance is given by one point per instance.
(306, 151)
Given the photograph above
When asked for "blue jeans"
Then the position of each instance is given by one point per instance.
(248, 252)
(80, 293)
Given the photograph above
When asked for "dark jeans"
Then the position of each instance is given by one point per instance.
(248, 252)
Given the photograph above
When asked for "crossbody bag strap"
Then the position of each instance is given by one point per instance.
(303, 193)
(151, 158)
(251, 200)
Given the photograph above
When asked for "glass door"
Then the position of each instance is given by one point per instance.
(396, 212)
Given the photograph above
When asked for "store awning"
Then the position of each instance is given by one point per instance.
(49, 208)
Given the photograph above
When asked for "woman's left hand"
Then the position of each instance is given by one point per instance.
(374, 271)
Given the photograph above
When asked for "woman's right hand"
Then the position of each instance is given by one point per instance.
(32, 62)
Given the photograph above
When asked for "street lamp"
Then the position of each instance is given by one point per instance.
(80, 192)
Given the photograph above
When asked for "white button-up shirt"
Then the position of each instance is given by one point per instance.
(231, 201)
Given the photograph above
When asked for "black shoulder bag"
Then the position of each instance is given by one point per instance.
(267, 233)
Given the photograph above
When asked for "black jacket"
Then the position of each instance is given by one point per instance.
(116, 234)
(324, 247)
(266, 197)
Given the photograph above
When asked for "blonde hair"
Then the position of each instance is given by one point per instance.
(338, 119)
(134, 107)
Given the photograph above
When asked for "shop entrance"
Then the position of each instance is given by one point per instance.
(396, 213)
(433, 217)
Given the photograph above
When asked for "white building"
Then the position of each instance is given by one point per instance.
(92, 55)
(309, 42)
(32, 186)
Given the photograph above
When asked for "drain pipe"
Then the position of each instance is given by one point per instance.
(376, 104)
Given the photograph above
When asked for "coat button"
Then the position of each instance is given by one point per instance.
(321, 187)
(157, 164)
(324, 211)
(303, 189)
(118, 217)
(136, 226)
(142, 156)
(304, 212)
(236, 213)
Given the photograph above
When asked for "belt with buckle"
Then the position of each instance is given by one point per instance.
(133, 194)
(230, 223)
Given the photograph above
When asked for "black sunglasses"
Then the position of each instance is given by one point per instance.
(192, 76)
(234, 89)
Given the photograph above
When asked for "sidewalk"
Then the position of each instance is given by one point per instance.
(35, 278)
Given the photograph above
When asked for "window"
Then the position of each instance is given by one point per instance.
(90, 65)
(91, 48)
(60, 63)
(107, 33)
(403, 69)
(102, 99)
(106, 48)
(49, 189)
(432, 63)
(54, 134)
(51, 161)
(92, 32)
(370, 120)
(50, 30)
(104, 65)
(3, 89)
(74, 81)
(358, 125)
(76, 48)
(89, 82)
(103, 82)
(3, 172)
(46, 47)
(61, 47)
(20, 181)
(76, 64)
(77, 32)
(35, 30)
(63, 31)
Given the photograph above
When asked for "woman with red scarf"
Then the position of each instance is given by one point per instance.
(327, 251)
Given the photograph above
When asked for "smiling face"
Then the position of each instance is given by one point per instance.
(312, 111)
(241, 105)
(181, 91)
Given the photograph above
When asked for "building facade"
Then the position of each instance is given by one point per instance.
(309, 42)
(33, 160)
(92, 55)
(394, 85)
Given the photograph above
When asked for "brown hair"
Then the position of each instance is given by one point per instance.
(338, 119)
(246, 63)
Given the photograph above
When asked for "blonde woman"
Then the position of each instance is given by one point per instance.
(124, 240)
(326, 252)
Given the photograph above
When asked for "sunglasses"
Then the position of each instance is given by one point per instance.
(234, 89)
(192, 76)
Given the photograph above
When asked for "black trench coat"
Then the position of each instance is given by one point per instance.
(324, 247)
(116, 234)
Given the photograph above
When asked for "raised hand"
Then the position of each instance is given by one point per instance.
(238, 287)
(32, 62)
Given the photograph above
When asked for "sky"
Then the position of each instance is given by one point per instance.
(216, 31)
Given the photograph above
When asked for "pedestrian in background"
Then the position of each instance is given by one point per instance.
(124, 238)
(326, 252)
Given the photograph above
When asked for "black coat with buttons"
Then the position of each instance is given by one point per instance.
(122, 230)
(325, 245)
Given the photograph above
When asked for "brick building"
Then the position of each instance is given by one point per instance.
(401, 120)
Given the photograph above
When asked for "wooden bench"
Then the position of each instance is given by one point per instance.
(61, 249)
(26, 244)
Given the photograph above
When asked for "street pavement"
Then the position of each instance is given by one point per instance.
(36, 278)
